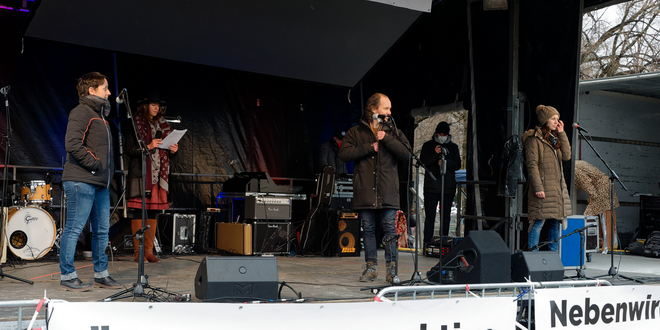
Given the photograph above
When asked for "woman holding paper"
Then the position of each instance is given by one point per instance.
(151, 129)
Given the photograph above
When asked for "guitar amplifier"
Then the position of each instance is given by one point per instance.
(271, 237)
(234, 238)
(267, 208)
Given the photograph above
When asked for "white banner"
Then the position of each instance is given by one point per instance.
(466, 313)
(607, 307)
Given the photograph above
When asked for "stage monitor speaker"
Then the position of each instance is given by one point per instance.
(482, 257)
(538, 266)
(222, 279)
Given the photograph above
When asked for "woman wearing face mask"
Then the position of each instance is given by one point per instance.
(433, 151)
(546, 147)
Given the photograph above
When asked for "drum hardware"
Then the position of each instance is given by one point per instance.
(3, 226)
(58, 238)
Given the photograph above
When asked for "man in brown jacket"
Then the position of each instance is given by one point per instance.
(376, 147)
(546, 147)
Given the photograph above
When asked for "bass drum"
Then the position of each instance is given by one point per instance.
(31, 232)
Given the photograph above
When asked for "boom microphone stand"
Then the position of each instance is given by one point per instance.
(613, 272)
(5, 92)
(141, 286)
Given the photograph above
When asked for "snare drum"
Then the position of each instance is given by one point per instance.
(36, 192)
(31, 232)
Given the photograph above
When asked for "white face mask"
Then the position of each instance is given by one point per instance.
(441, 139)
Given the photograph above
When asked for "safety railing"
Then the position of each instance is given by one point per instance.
(520, 290)
(477, 290)
(24, 308)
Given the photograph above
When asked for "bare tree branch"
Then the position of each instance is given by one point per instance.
(629, 43)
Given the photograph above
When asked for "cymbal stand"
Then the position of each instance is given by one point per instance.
(5, 92)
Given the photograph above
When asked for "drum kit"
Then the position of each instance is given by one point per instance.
(30, 229)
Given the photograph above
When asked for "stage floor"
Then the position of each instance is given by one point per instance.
(316, 278)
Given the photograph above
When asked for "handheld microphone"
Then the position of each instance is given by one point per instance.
(120, 97)
(378, 117)
(579, 128)
(159, 135)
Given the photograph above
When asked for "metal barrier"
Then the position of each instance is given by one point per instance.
(21, 306)
(519, 290)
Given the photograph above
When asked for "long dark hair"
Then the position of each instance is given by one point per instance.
(143, 109)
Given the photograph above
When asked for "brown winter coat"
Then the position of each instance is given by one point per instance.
(545, 173)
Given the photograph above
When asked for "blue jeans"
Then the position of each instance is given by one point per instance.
(85, 201)
(369, 220)
(535, 233)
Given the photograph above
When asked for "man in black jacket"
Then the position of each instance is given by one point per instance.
(376, 147)
(328, 153)
(86, 180)
(433, 151)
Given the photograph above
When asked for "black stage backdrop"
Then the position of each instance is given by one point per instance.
(264, 123)
(275, 124)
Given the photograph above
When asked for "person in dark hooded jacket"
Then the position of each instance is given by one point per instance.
(376, 147)
(86, 180)
(438, 148)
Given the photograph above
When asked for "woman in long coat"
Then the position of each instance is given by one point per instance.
(546, 148)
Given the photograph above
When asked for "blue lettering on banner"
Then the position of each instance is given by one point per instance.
(591, 313)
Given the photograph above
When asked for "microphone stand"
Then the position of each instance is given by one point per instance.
(416, 276)
(141, 286)
(613, 272)
(442, 164)
(3, 218)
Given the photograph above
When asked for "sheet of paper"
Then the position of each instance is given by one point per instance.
(172, 138)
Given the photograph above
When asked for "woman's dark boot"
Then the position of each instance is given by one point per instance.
(149, 238)
(136, 224)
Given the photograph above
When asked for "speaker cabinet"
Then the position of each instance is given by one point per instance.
(348, 234)
(482, 257)
(649, 215)
(271, 237)
(222, 279)
(539, 266)
(341, 234)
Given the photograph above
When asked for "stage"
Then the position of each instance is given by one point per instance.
(316, 278)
